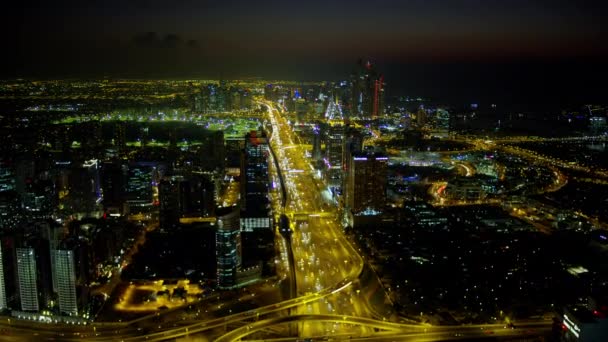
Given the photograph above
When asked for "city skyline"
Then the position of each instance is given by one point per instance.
(458, 50)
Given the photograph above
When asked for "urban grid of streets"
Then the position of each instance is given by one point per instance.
(329, 300)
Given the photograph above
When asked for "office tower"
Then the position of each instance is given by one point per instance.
(333, 159)
(113, 183)
(368, 178)
(26, 274)
(254, 169)
(228, 246)
(255, 183)
(66, 281)
(367, 97)
(72, 264)
(138, 191)
(168, 196)
(335, 135)
(85, 187)
(352, 144)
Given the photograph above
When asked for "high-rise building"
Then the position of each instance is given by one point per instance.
(113, 183)
(367, 184)
(255, 183)
(367, 97)
(66, 281)
(254, 172)
(255, 165)
(352, 144)
(168, 196)
(27, 277)
(333, 160)
(72, 264)
(228, 246)
(138, 191)
(85, 187)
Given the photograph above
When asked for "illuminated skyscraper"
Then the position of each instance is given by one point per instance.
(66, 281)
(367, 97)
(26, 274)
(139, 185)
(72, 266)
(367, 184)
(333, 160)
(227, 246)
(255, 183)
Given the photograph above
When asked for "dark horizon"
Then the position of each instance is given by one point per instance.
(463, 50)
(518, 84)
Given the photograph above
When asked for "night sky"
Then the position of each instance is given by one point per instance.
(459, 48)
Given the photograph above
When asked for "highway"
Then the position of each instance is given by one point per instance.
(323, 257)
